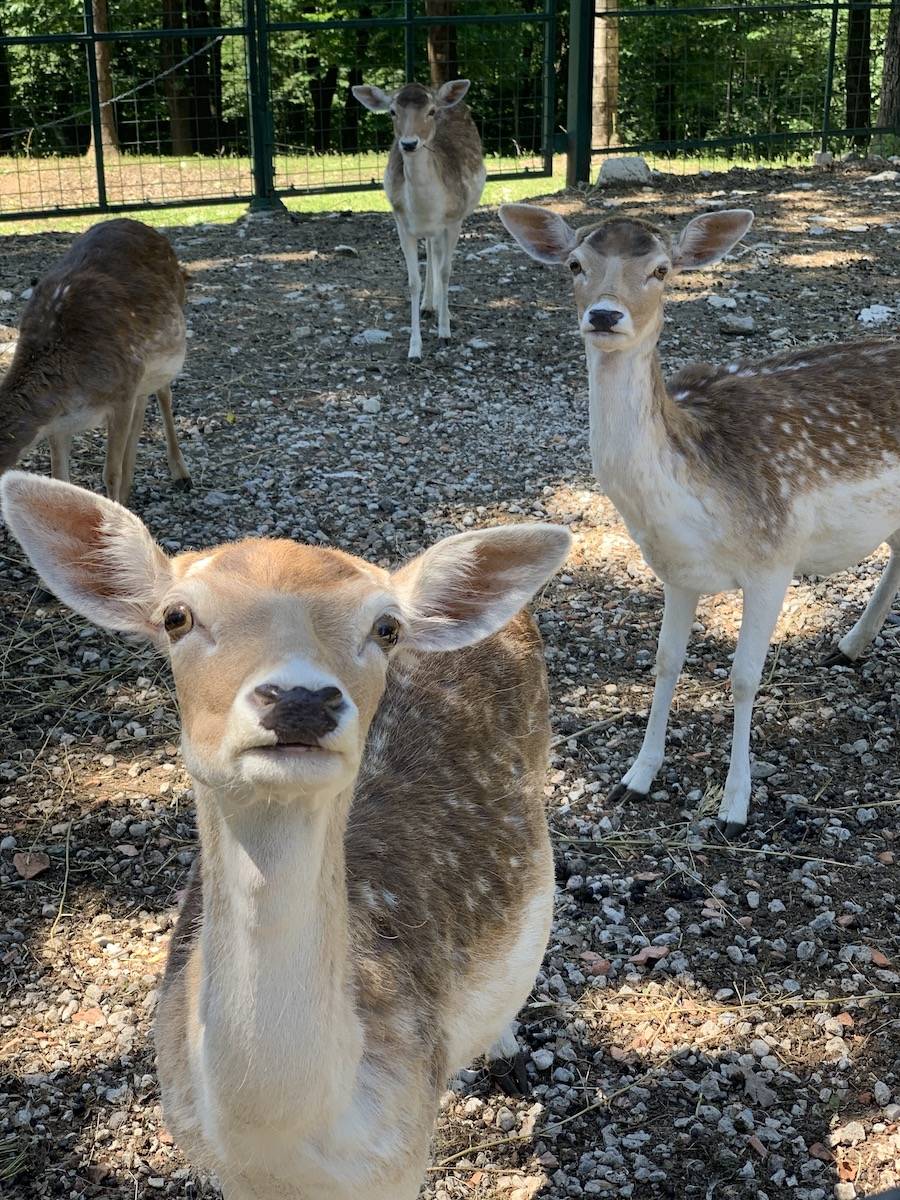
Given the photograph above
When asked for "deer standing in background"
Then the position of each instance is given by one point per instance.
(729, 477)
(369, 751)
(434, 179)
(102, 331)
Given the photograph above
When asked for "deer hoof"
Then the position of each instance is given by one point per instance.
(730, 829)
(427, 310)
(182, 485)
(510, 1075)
(623, 792)
(444, 341)
(837, 658)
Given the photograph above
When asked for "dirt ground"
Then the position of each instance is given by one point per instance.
(712, 1021)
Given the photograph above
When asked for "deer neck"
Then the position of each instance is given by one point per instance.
(629, 406)
(278, 1020)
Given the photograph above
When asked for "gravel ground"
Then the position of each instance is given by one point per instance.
(712, 1021)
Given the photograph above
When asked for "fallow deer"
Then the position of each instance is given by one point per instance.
(101, 332)
(368, 752)
(739, 476)
(434, 179)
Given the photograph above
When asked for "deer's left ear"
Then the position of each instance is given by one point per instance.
(452, 92)
(709, 237)
(93, 554)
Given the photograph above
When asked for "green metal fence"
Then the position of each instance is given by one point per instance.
(746, 81)
(249, 100)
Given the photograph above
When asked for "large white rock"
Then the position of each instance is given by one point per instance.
(627, 169)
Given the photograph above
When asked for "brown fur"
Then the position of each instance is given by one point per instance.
(111, 303)
(450, 786)
(456, 146)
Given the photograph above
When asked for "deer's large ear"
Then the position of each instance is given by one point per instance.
(540, 233)
(452, 92)
(372, 97)
(709, 237)
(93, 554)
(468, 586)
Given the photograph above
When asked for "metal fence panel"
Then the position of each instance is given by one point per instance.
(237, 100)
(742, 81)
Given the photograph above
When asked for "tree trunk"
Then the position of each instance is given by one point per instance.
(177, 100)
(442, 54)
(605, 89)
(858, 73)
(203, 86)
(322, 89)
(109, 135)
(889, 109)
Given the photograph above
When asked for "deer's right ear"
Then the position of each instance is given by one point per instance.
(540, 233)
(372, 97)
(93, 554)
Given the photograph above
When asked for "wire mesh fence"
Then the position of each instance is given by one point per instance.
(750, 82)
(199, 101)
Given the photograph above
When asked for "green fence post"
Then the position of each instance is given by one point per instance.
(829, 74)
(578, 107)
(548, 90)
(258, 91)
(94, 90)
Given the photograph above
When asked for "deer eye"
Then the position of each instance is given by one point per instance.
(177, 621)
(575, 266)
(661, 271)
(386, 631)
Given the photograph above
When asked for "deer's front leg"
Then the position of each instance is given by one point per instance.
(762, 604)
(678, 615)
(410, 247)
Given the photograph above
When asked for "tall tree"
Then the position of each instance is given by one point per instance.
(204, 73)
(889, 109)
(605, 88)
(858, 75)
(177, 100)
(443, 59)
(109, 135)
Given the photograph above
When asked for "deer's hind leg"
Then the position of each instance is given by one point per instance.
(60, 453)
(856, 641)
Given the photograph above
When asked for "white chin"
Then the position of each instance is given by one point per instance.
(293, 768)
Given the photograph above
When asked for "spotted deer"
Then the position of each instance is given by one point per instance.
(728, 477)
(102, 331)
(368, 751)
(434, 179)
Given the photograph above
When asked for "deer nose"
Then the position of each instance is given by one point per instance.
(298, 716)
(604, 319)
(409, 144)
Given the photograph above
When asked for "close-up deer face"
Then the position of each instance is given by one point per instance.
(279, 650)
(620, 266)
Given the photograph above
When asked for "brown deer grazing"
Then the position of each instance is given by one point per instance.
(368, 751)
(434, 179)
(103, 330)
(729, 477)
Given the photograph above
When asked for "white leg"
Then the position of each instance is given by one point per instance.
(428, 294)
(177, 466)
(762, 604)
(678, 615)
(860, 637)
(60, 451)
(409, 246)
(447, 243)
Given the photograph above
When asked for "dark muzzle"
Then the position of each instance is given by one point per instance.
(298, 716)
